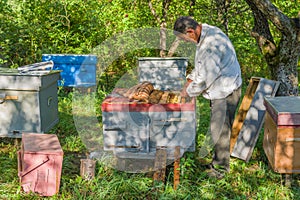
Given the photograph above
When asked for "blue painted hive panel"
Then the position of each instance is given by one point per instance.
(77, 70)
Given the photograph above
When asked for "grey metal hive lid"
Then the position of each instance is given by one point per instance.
(162, 58)
(14, 72)
(11, 79)
(290, 104)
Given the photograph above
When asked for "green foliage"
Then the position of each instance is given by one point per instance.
(78, 27)
(111, 28)
(48, 27)
(290, 8)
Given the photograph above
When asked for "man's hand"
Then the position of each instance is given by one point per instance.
(183, 91)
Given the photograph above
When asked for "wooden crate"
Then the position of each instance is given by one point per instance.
(282, 133)
(40, 163)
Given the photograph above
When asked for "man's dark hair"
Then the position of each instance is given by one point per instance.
(183, 23)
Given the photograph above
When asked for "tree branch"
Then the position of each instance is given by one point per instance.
(166, 4)
(280, 20)
(261, 32)
(173, 47)
(153, 11)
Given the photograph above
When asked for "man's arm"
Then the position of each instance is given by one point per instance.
(183, 91)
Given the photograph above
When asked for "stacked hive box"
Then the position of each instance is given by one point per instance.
(164, 73)
(134, 127)
(282, 133)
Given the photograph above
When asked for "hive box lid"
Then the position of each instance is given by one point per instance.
(41, 143)
(285, 110)
(79, 59)
(11, 79)
(162, 58)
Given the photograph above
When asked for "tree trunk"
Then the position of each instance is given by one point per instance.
(282, 60)
(163, 24)
(173, 47)
(286, 70)
(163, 39)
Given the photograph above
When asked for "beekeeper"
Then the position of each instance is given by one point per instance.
(217, 76)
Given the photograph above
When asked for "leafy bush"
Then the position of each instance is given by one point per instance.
(30, 28)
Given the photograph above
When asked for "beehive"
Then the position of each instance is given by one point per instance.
(28, 102)
(138, 128)
(282, 133)
(164, 73)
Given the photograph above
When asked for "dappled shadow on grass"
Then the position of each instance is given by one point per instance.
(8, 159)
(66, 129)
(71, 163)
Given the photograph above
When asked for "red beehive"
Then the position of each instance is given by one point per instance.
(132, 128)
(40, 163)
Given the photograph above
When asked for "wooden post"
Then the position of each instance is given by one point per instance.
(176, 167)
(160, 165)
(287, 179)
(87, 168)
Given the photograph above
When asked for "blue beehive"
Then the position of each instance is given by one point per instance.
(77, 70)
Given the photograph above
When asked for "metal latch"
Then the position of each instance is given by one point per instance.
(3, 98)
(31, 168)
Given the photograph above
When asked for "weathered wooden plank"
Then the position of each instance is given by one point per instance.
(87, 168)
(176, 167)
(243, 109)
(249, 133)
(160, 165)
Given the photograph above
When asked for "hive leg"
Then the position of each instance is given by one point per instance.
(160, 165)
(177, 167)
(287, 179)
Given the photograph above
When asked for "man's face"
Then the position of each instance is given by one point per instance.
(190, 36)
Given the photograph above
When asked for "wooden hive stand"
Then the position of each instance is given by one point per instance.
(161, 164)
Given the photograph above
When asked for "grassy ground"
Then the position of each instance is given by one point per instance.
(252, 180)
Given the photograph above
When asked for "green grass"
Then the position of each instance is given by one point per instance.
(252, 180)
